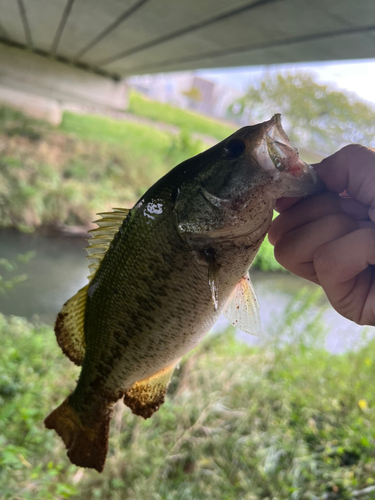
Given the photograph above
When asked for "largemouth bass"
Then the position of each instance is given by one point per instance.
(163, 272)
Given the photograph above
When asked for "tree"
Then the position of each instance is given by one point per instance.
(314, 115)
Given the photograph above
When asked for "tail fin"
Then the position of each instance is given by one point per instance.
(87, 445)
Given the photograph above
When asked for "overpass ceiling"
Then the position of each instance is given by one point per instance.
(128, 37)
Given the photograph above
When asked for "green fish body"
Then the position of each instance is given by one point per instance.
(163, 272)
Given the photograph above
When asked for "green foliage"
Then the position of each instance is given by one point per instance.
(135, 137)
(315, 116)
(31, 372)
(7, 279)
(265, 259)
(13, 122)
(301, 323)
(187, 120)
(283, 420)
(183, 147)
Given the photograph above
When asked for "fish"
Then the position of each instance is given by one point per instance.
(163, 272)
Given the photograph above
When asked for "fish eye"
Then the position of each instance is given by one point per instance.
(234, 148)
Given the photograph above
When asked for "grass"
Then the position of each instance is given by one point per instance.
(286, 421)
(188, 121)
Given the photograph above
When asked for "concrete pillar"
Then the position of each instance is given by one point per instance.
(40, 86)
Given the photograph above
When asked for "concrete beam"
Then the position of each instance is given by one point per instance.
(38, 77)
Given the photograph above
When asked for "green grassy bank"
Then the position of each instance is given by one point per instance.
(254, 423)
(188, 121)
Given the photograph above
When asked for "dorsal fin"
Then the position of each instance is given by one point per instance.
(102, 236)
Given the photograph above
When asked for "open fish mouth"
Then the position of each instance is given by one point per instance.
(290, 173)
(282, 154)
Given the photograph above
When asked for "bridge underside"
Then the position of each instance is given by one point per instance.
(112, 39)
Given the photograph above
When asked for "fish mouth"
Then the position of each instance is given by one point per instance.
(292, 176)
(282, 154)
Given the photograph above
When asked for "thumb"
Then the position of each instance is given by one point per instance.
(351, 169)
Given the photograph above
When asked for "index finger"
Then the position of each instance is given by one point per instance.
(283, 204)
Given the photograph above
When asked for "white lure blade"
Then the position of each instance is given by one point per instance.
(242, 308)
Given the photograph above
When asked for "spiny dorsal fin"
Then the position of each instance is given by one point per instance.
(102, 236)
(242, 308)
(69, 327)
(146, 396)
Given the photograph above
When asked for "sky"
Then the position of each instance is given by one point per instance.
(353, 76)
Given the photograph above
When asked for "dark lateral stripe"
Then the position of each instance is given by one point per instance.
(109, 29)
(60, 29)
(248, 48)
(184, 31)
(25, 22)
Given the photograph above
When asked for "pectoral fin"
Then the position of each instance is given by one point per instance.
(146, 396)
(242, 308)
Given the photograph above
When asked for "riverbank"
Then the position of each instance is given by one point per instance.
(239, 422)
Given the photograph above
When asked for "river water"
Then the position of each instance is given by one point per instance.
(59, 269)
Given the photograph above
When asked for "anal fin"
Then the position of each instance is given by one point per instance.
(146, 396)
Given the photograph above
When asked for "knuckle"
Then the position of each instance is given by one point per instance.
(283, 252)
(325, 260)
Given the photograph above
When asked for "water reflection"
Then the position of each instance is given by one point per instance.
(59, 269)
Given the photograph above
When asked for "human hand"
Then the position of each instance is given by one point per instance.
(330, 239)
